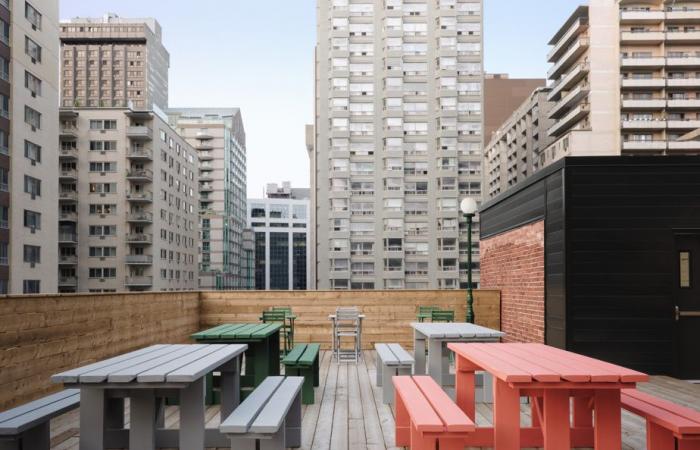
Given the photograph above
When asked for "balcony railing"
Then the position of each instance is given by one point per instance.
(139, 238)
(138, 281)
(139, 259)
(140, 196)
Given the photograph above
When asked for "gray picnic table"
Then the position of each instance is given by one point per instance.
(148, 376)
(437, 336)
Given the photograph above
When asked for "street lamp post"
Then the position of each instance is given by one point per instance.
(469, 208)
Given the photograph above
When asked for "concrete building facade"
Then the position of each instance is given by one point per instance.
(218, 136)
(128, 203)
(398, 141)
(28, 135)
(502, 95)
(280, 224)
(625, 81)
(516, 150)
(113, 62)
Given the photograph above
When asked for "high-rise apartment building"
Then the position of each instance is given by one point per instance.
(28, 134)
(127, 203)
(502, 95)
(517, 147)
(218, 137)
(280, 224)
(399, 95)
(113, 62)
(625, 80)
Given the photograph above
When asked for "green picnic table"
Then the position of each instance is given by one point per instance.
(262, 357)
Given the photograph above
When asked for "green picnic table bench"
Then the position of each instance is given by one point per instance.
(261, 358)
(425, 312)
(302, 361)
(284, 316)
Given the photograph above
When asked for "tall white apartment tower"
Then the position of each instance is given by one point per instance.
(398, 141)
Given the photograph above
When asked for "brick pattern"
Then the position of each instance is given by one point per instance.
(513, 262)
(42, 335)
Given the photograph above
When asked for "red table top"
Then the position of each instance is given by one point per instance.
(528, 363)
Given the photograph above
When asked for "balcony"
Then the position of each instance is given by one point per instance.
(139, 260)
(139, 154)
(68, 132)
(684, 145)
(643, 124)
(139, 238)
(67, 238)
(684, 82)
(570, 100)
(642, 37)
(204, 135)
(641, 16)
(683, 37)
(683, 15)
(139, 217)
(68, 175)
(204, 145)
(140, 197)
(568, 81)
(644, 83)
(569, 120)
(683, 124)
(141, 175)
(579, 26)
(68, 153)
(68, 281)
(138, 282)
(68, 216)
(644, 103)
(139, 132)
(68, 260)
(685, 103)
(642, 62)
(207, 175)
(577, 49)
(686, 61)
(644, 145)
(68, 196)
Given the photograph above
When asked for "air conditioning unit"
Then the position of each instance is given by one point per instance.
(102, 258)
(33, 128)
(102, 238)
(103, 195)
(32, 265)
(32, 230)
(33, 94)
(33, 27)
(103, 152)
(33, 162)
(102, 216)
(33, 60)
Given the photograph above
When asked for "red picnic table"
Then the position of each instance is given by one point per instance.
(550, 377)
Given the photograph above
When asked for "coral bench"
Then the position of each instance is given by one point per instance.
(426, 416)
(667, 422)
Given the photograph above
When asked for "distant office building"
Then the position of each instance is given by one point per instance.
(127, 203)
(502, 96)
(516, 150)
(625, 80)
(281, 226)
(112, 61)
(398, 142)
(218, 136)
(28, 136)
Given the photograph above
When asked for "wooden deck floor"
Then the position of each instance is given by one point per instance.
(349, 414)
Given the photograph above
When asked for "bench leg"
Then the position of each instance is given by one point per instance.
(142, 432)
(243, 443)
(192, 416)
(659, 438)
(276, 443)
(388, 386)
(317, 375)
(402, 432)
(451, 444)
(583, 412)
(307, 389)
(688, 444)
(92, 419)
(38, 437)
(378, 365)
(420, 442)
(292, 423)
(9, 444)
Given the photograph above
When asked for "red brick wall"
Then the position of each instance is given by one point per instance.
(513, 262)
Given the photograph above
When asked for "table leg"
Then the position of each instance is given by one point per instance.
(608, 422)
(688, 444)
(583, 412)
(536, 411)
(465, 392)
(556, 427)
(435, 362)
(506, 416)
(418, 353)
(230, 387)
(447, 378)
(142, 432)
(92, 419)
(192, 416)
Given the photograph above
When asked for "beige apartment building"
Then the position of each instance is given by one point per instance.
(516, 149)
(398, 141)
(113, 62)
(218, 136)
(127, 202)
(28, 133)
(625, 79)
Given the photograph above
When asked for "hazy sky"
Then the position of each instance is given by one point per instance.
(258, 55)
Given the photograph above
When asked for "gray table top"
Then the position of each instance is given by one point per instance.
(163, 363)
(455, 330)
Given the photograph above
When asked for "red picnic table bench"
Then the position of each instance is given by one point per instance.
(550, 377)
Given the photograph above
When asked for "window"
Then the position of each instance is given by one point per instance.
(32, 186)
(103, 167)
(103, 209)
(4, 32)
(32, 49)
(684, 269)
(103, 188)
(31, 286)
(32, 15)
(4, 68)
(32, 83)
(32, 117)
(103, 230)
(103, 124)
(103, 252)
(4, 253)
(4, 179)
(103, 146)
(32, 219)
(32, 254)
(32, 151)
(103, 272)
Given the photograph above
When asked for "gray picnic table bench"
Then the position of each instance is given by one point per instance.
(28, 426)
(269, 418)
(147, 376)
(392, 360)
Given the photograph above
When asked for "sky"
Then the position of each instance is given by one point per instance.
(259, 56)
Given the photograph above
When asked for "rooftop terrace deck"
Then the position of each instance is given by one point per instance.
(349, 414)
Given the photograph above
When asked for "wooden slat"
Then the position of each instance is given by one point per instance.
(201, 367)
(402, 355)
(36, 404)
(31, 418)
(556, 365)
(499, 368)
(508, 354)
(663, 417)
(158, 374)
(272, 415)
(310, 355)
(101, 374)
(265, 330)
(244, 415)
(671, 407)
(455, 419)
(132, 372)
(293, 356)
(71, 376)
(421, 411)
(204, 334)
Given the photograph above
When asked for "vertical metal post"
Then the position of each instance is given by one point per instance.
(470, 294)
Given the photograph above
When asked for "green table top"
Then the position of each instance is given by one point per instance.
(238, 332)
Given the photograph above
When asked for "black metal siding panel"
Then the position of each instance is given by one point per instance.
(525, 206)
(555, 261)
(620, 259)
